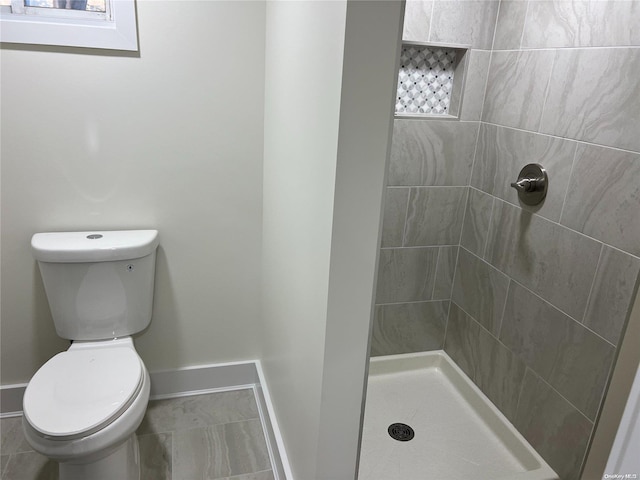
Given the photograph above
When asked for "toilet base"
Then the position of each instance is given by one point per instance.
(122, 464)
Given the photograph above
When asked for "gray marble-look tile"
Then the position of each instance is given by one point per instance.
(594, 96)
(4, 459)
(469, 22)
(265, 475)
(552, 426)
(480, 290)
(612, 294)
(409, 327)
(491, 366)
(12, 438)
(198, 411)
(580, 23)
(476, 222)
(501, 154)
(30, 466)
(603, 200)
(447, 258)
(417, 20)
(220, 451)
(156, 456)
(434, 216)
(572, 359)
(556, 263)
(516, 88)
(395, 211)
(432, 152)
(475, 85)
(406, 274)
(510, 24)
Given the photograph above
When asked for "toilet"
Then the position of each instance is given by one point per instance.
(83, 406)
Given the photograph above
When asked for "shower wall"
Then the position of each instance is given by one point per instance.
(540, 295)
(426, 197)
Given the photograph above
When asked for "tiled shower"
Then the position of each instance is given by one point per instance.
(530, 302)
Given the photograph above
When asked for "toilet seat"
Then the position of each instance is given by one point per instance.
(79, 392)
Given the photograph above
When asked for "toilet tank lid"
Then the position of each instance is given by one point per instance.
(93, 246)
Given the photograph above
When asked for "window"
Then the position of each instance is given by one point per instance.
(107, 24)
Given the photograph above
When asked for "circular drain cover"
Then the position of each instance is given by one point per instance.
(401, 432)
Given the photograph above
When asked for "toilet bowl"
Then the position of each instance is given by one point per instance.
(83, 406)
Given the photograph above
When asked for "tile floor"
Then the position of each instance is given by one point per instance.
(211, 436)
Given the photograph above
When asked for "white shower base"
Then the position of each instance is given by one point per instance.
(459, 433)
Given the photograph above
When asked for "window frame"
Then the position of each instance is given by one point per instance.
(114, 29)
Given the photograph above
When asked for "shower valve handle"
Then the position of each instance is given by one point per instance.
(526, 184)
(532, 184)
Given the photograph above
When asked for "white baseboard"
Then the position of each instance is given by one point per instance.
(11, 400)
(193, 381)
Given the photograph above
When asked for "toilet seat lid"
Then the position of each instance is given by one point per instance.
(78, 391)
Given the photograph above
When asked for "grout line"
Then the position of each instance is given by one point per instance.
(566, 192)
(564, 313)
(475, 151)
(244, 475)
(446, 324)
(486, 86)
(539, 377)
(433, 8)
(486, 240)
(537, 295)
(524, 25)
(504, 307)
(398, 187)
(593, 283)
(495, 27)
(415, 246)
(410, 302)
(406, 218)
(464, 214)
(546, 49)
(564, 227)
(546, 93)
(435, 273)
(515, 415)
(562, 138)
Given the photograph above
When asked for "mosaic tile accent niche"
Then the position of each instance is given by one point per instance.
(425, 81)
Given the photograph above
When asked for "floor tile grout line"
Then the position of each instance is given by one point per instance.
(200, 427)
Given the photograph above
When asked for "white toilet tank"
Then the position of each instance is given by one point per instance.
(100, 283)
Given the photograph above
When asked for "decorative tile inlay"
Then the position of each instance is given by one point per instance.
(425, 81)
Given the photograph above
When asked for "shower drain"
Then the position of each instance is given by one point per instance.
(401, 432)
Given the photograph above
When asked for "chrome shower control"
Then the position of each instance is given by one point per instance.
(532, 184)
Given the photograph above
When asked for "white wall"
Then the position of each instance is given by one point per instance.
(327, 130)
(304, 47)
(170, 140)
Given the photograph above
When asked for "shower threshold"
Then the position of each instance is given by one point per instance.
(458, 433)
